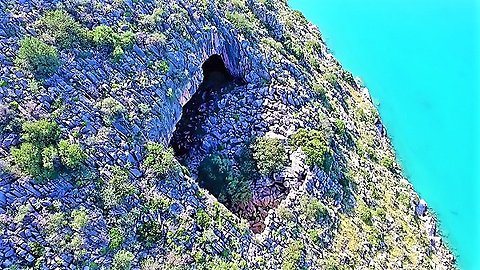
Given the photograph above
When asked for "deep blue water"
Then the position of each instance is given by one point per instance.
(420, 60)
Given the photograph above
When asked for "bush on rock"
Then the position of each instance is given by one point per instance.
(38, 155)
(315, 146)
(60, 28)
(270, 155)
(37, 57)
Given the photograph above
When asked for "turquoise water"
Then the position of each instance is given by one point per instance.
(420, 60)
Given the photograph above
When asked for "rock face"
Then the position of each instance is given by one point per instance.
(357, 213)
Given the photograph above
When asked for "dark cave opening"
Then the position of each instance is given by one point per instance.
(217, 80)
(188, 138)
(220, 160)
(188, 132)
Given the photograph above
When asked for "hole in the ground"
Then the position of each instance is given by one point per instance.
(212, 140)
(191, 141)
(188, 130)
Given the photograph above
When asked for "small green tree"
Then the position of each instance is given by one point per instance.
(61, 28)
(270, 155)
(314, 145)
(41, 133)
(72, 155)
(27, 157)
(218, 176)
(122, 260)
(116, 238)
(37, 57)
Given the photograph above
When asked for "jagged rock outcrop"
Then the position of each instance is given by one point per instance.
(358, 213)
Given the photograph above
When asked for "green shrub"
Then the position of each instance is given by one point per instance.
(388, 163)
(365, 214)
(55, 222)
(331, 79)
(270, 155)
(61, 28)
(160, 159)
(36, 249)
(111, 107)
(314, 145)
(340, 126)
(38, 152)
(203, 219)
(79, 219)
(105, 36)
(102, 35)
(150, 231)
(122, 260)
(117, 188)
(213, 172)
(313, 208)
(22, 211)
(49, 154)
(30, 160)
(41, 133)
(321, 93)
(71, 155)
(116, 238)
(292, 256)
(37, 57)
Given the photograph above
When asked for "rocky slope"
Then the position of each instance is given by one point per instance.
(238, 70)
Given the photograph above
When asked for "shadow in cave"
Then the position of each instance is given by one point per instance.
(216, 80)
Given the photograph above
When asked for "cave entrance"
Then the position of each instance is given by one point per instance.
(215, 73)
(217, 79)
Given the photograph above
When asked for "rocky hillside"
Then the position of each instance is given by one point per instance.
(189, 134)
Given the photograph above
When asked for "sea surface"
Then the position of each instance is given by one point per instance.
(420, 61)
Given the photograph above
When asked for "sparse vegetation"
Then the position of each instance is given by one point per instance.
(116, 238)
(313, 208)
(292, 256)
(160, 159)
(388, 163)
(243, 23)
(150, 231)
(111, 108)
(203, 220)
(340, 127)
(117, 188)
(79, 219)
(365, 214)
